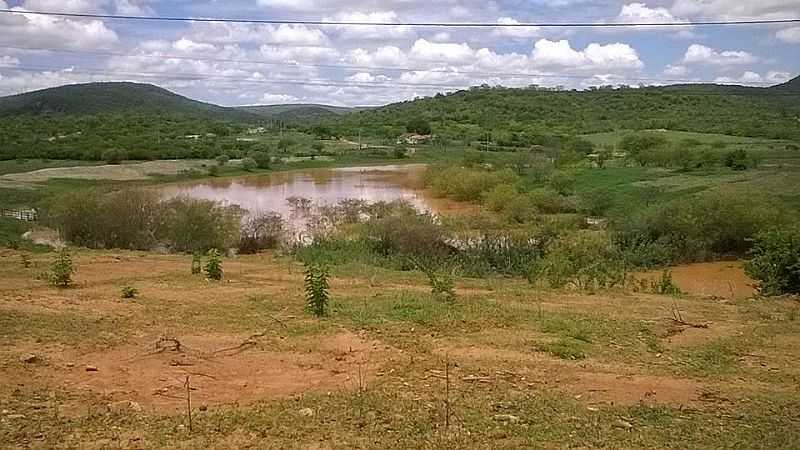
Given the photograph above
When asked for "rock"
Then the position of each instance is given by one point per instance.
(203, 408)
(15, 416)
(28, 358)
(506, 418)
(306, 412)
(91, 368)
(623, 424)
(592, 408)
(70, 365)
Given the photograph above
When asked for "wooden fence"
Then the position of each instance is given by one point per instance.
(28, 215)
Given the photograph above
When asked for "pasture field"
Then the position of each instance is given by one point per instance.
(391, 367)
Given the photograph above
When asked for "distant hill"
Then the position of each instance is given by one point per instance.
(521, 116)
(301, 112)
(114, 98)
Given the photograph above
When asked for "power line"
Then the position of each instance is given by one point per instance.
(369, 68)
(409, 24)
(332, 83)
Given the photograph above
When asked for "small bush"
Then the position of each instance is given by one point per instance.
(213, 171)
(665, 285)
(62, 270)
(213, 267)
(263, 160)
(129, 292)
(442, 285)
(775, 262)
(223, 160)
(317, 289)
(249, 164)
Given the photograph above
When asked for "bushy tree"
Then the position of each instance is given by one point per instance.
(249, 164)
(775, 261)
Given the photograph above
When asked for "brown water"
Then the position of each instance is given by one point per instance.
(323, 187)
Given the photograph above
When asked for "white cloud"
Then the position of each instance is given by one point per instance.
(700, 54)
(513, 31)
(595, 56)
(6, 60)
(366, 32)
(29, 30)
(675, 71)
(366, 77)
(749, 77)
(736, 9)
(641, 13)
(790, 35)
(274, 99)
(424, 50)
(69, 6)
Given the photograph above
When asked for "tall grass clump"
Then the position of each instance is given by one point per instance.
(582, 260)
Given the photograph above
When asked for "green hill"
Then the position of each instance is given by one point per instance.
(519, 116)
(301, 114)
(114, 98)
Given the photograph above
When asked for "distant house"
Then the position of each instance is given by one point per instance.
(414, 139)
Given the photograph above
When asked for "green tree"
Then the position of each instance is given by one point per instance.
(775, 261)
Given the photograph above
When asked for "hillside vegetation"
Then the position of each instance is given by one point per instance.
(520, 116)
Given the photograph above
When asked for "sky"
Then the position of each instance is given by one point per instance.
(245, 64)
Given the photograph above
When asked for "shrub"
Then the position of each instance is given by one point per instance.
(213, 171)
(415, 235)
(223, 159)
(586, 261)
(562, 182)
(467, 184)
(197, 263)
(775, 262)
(442, 285)
(213, 266)
(260, 232)
(698, 228)
(665, 285)
(190, 225)
(504, 252)
(263, 160)
(317, 289)
(126, 219)
(129, 292)
(62, 269)
(499, 197)
(549, 201)
(736, 159)
(249, 164)
(114, 156)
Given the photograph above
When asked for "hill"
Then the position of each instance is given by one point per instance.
(301, 113)
(114, 98)
(519, 115)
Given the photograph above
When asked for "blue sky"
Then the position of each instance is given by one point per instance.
(236, 64)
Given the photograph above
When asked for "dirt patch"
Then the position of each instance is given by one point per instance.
(616, 389)
(725, 279)
(120, 172)
(221, 370)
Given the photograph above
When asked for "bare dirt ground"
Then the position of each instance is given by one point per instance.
(117, 172)
(82, 367)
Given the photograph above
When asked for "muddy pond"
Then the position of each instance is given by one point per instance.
(323, 187)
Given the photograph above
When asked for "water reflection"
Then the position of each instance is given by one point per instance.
(324, 187)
